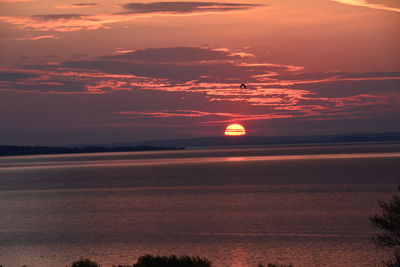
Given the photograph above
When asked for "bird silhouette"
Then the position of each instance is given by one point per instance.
(243, 86)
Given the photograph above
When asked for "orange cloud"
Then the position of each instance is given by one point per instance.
(77, 22)
(60, 22)
(18, 0)
(34, 38)
(364, 3)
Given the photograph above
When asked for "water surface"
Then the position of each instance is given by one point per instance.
(306, 205)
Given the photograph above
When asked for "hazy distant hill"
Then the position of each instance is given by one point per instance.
(268, 140)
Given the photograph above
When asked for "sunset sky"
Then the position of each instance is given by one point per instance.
(76, 72)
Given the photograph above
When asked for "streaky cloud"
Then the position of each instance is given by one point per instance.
(58, 17)
(388, 3)
(78, 22)
(214, 75)
(11, 76)
(178, 54)
(176, 113)
(179, 113)
(76, 6)
(59, 22)
(184, 7)
(379, 5)
(40, 37)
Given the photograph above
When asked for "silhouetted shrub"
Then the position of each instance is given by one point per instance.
(174, 261)
(395, 262)
(389, 224)
(85, 263)
(279, 265)
(171, 261)
(275, 265)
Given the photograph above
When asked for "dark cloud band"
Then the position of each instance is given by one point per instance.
(58, 17)
(184, 7)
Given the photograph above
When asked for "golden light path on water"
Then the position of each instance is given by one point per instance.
(176, 161)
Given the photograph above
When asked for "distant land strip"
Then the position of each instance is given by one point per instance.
(37, 150)
(249, 140)
(216, 141)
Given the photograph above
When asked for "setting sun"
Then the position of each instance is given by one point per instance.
(235, 129)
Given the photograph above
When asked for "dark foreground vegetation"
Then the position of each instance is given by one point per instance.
(389, 225)
(36, 150)
(165, 261)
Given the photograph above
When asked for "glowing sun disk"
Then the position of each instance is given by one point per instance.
(235, 129)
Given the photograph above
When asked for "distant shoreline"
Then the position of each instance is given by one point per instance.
(41, 150)
(288, 145)
(221, 142)
(249, 140)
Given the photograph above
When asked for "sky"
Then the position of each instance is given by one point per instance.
(97, 72)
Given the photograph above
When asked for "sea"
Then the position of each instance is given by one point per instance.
(308, 205)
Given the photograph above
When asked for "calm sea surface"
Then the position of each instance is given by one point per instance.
(306, 205)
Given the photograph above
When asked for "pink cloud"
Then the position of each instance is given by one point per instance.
(177, 113)
(287, 67)
(230, 117)
(279, 91)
